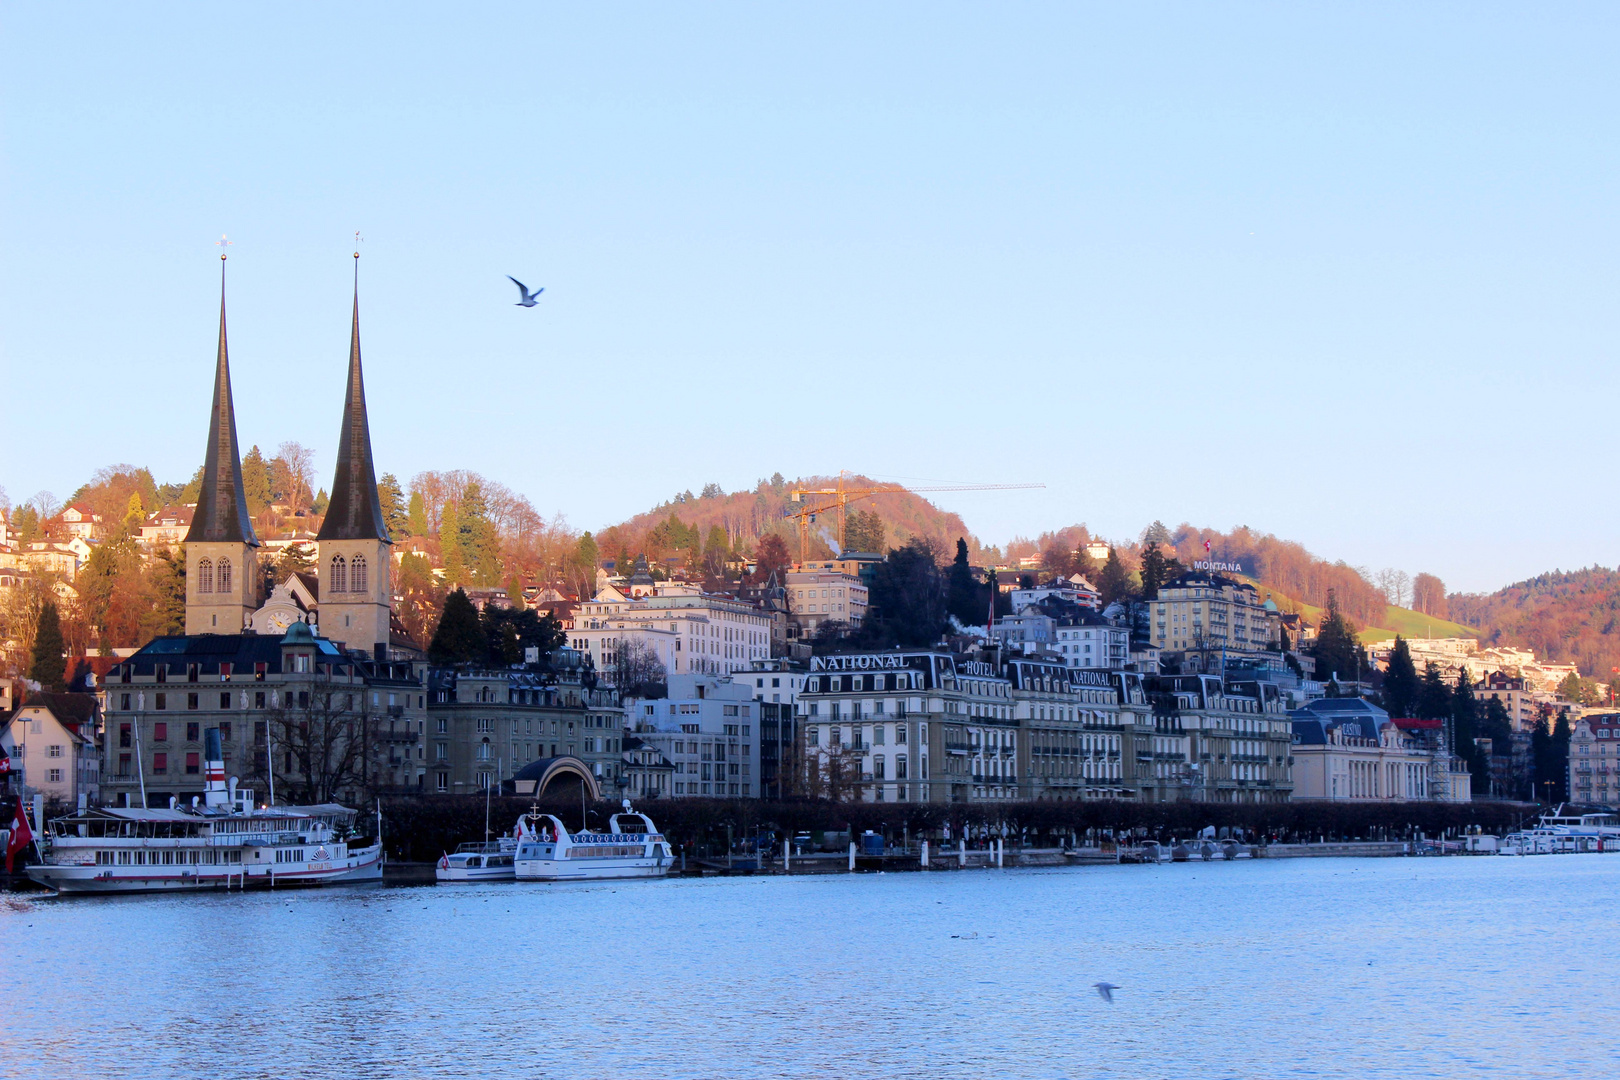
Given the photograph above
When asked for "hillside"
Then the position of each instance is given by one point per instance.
(1393, 621)
(1566, 617)
(746, 516)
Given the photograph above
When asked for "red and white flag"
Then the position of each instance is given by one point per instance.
(21, 835)
(1206, 547)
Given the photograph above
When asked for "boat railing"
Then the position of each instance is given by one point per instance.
(480, 847)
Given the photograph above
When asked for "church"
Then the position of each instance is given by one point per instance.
(318, 693)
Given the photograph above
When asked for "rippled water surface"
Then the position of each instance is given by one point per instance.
(1308, 968)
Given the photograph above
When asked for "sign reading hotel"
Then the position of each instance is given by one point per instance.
(1215, 566)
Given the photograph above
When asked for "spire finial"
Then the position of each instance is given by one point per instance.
(223, 243)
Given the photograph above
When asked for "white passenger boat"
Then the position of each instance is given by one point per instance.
(1565, 833)
(489, 861)
(484, 862)
(632, 847)
(224, 843)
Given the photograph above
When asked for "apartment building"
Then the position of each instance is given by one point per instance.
(484, 725)
(823, 595)
(1203, 620)
(690, 631)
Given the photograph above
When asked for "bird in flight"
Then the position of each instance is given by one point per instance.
(528, 297)
(1105, 990)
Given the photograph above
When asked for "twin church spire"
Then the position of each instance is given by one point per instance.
(222, 578)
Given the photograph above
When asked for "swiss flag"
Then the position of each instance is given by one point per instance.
(21, 836)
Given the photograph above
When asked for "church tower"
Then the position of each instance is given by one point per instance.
(222, 564)
(353, 545)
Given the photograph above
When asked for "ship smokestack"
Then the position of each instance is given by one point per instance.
(214, 793)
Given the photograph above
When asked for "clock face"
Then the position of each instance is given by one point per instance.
(280, 621)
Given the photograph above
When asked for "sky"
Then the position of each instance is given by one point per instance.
(1342, 273)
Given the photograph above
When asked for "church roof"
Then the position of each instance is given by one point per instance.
(222, 513)
(355, 512)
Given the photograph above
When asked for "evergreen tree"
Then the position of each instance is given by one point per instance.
(1544, 770)
(480, 543)
(48, 667)
(1114, 583)
(1157, 570)
(865, 531)
(459, 638)
(392, 498)
(1560, 758)
(167, 578)
(1400, 681)
(1338, 654)
(1434, 696)
(416, 520)
(1156, 534)
(962, 591)
(320, 502)
(256, 481)
(25, 519)
(451, 557)
(193, 490)
(907, 599)
(1464, 721)
(514, 593)
(582, 564)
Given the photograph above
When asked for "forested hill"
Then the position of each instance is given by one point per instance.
(746, 516)
(1569, 617)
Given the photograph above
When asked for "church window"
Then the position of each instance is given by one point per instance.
(205, 576)
(357, 573)
(339, 576)
(225, 575)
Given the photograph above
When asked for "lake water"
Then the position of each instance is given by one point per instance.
(1284, 968)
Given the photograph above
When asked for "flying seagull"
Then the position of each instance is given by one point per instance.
(528, 297)
(1105, 990)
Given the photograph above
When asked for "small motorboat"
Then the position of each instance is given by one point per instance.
(490, 861)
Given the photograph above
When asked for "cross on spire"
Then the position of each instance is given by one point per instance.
(223, 243)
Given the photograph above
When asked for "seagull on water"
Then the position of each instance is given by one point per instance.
(1105, 990)
(528, 297)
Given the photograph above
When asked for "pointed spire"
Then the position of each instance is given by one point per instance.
(222, 513)
(355, 512)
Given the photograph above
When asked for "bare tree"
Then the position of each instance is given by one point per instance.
(299, 461)
(46, 505)
(327, 748)
(635, 667)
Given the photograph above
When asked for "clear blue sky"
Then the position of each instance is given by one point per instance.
(1343, 273)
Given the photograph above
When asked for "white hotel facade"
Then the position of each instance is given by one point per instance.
(690, 631)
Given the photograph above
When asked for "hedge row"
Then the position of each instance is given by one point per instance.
(422, 828)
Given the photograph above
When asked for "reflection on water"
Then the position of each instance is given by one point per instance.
(1307, 968)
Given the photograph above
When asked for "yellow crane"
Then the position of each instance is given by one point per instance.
(840, 497)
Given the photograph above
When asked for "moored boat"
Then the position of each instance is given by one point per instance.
(224, 843)
(632, 847)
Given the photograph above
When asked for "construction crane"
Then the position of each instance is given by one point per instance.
(840, 497)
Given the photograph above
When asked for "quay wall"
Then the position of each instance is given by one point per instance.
(421, 828)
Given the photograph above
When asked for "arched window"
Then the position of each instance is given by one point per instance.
(225, 575)
(483, 750)
(338, 579)
(357, 573)
(205, 576)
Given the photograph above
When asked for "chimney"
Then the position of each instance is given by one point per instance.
(214, 793)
